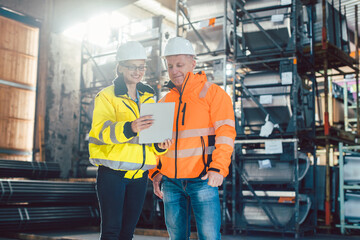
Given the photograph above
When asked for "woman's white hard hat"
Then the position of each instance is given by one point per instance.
(178, 46)
(131, 50)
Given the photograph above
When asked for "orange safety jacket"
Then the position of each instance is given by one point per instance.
(203, 130)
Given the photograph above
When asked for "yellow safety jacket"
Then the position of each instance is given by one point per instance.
(112, 143)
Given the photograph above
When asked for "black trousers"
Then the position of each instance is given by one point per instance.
(121, 201)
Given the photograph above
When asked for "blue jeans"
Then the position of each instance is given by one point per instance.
(180, 195)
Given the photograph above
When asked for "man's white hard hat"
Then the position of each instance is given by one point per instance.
(177, 46)
(131, 51)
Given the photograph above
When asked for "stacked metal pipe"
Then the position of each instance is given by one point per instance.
(35, 204)
(30, 218)
(34, 170)
(14, 191)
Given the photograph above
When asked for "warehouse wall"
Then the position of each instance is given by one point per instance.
(62, 102)
(58, 86)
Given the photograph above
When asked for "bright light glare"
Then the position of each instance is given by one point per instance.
(76, 32)
(229, 72)
(97, 30)
(137, 28)
(229, 66)
(229, 69)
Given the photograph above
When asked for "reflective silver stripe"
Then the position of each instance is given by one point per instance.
(134, 140)
(224, 140)
(190, 152)
(205, 89)
(96, 141)
(106, 124)
(220, 123)
(117, 165)
(195, 132)
(113, 134)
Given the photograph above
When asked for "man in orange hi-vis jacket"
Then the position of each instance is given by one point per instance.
(203, 141)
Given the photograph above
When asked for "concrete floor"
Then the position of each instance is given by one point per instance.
(92, 235)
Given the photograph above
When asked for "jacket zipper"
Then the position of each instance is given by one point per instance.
(183, 111)
(143, 145)
(203, 154)
(143, 163)
(177, 124)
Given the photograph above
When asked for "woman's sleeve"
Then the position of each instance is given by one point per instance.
(105, 129)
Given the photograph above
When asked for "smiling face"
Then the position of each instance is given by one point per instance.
(133, 70)
(178, 67)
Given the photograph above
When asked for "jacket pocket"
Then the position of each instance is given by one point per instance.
(183, 111)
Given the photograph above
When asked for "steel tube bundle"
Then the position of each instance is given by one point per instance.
(30, 218)
(30, 191)
(35, 170)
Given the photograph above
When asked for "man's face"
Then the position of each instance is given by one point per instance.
(178, 67)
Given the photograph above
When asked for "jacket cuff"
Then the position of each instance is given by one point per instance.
(128, 132)
(159, 150)
(214, 170)
(154, 174)
(223, 172)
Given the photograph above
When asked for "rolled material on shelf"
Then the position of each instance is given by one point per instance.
(34, 170)
(213, 36)
(209, 23)
(31, 218)
(352, 207)
(276, 22)
(280, 204)
(277, 171)
(28, 191)
(209, 9)
(352, 169)
(278, 104)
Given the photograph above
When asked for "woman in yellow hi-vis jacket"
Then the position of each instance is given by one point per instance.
(114, 144)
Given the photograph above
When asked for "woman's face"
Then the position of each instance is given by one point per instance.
(133, 70)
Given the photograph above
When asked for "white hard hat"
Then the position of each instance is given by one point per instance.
(177, 46)
(131, 51)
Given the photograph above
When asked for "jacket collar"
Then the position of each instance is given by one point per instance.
(120, 87)
(190, 80)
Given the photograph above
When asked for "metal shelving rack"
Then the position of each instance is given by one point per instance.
(330, 60)
(285, 58)
(346, 187)
(248, 179)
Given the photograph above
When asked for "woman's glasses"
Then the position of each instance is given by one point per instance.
(133, 68)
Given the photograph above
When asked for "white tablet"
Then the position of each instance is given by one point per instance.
(163, 115)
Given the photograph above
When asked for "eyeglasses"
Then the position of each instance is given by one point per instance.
(133, 68)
